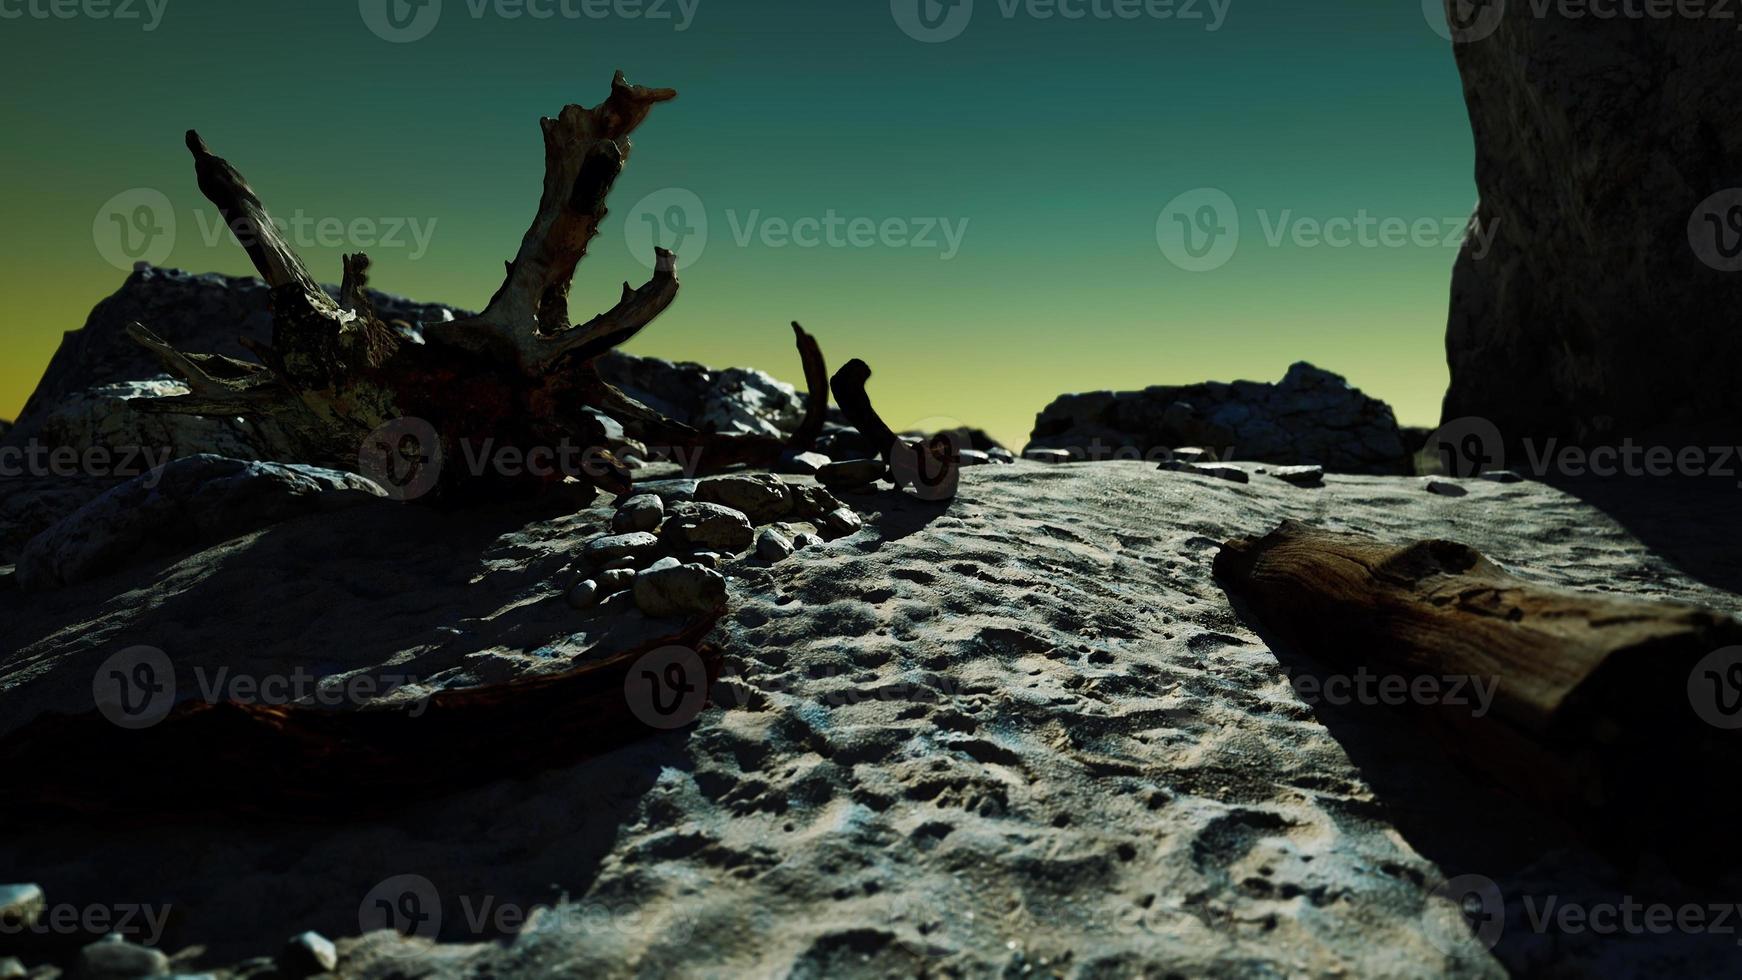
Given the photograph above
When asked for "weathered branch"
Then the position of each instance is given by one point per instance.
(518, 374)
(585, 151)
(1590, 692)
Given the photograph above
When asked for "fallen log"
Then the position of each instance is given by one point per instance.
(1593, 705)
(304, 762)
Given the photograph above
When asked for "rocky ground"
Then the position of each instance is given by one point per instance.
(1021, 733)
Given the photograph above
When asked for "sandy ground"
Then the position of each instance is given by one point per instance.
(1021, 734)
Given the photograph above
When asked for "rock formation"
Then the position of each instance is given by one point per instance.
(1607, 163)
(1311, 417)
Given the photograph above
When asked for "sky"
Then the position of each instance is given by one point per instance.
(993, 202)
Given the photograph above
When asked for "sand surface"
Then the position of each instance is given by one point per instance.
(1021, 734)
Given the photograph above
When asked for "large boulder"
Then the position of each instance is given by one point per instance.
(1311, 417)
(200, 500)
(1597, 304)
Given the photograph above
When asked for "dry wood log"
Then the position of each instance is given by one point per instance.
(321, 764)
(517, 376)
(1591, 699)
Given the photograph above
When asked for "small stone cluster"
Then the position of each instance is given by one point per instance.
(24, 912)
(669, 538)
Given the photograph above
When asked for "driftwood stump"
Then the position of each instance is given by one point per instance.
(1593, 696)
(337, 384)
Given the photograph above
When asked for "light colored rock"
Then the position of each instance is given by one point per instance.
(839, 523)
(804, 464)
(760, 497)
(12, 968)
(1300, 476)
(852, 473)
(1444, 488)
(116, 959)
(306, 955)
(1046, 455)
(806, 540)
(1193, 454)
(973, 457)
(615, 581)
(773, 546)
(699, 526)
(199, 500)
(585, 594)
(679, 590)
(21, 905)
(1502, 476)
(642, 512)
(612, 548)
(1001, 455)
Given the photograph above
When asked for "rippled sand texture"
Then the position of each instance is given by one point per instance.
(1021, 732)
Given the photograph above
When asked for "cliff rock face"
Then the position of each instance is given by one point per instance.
(1609, 162)
(1312, 416)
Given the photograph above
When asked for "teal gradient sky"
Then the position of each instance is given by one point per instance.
(1058, 141)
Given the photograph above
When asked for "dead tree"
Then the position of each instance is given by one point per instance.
(1594, 696)
(519, 374)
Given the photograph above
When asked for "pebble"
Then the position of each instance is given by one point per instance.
(1444, 488)
(606, 550)
(615, 581)
(814, 502)
(806, 540)
(679, 590)
(12, 968)
(803, 464)
(1047, 455)
(709, 527)
(1221, 471)
(772, 546)
(117, 959)
(762, 498)
(642, 512)
(973, 457)
(306, 955)
(852, 473)
(1300, 476)
(839, 523)
(21, 905)
(585, 595)
(1193, 454)
(1502, 476)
